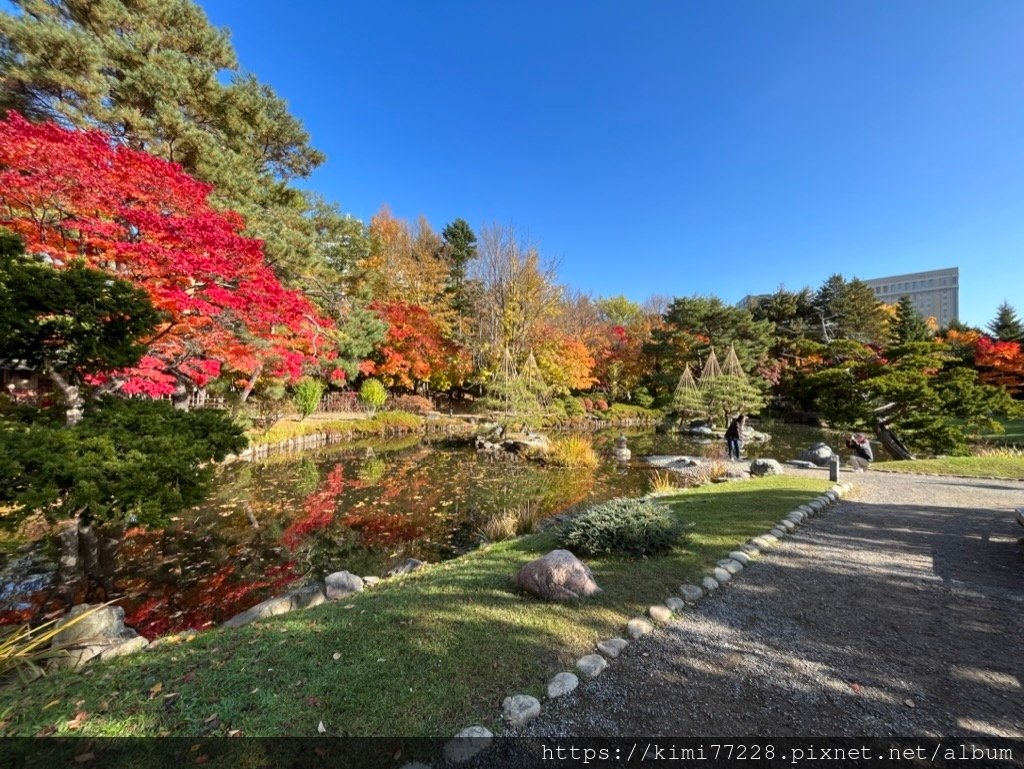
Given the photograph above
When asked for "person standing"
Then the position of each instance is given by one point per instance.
(734, 436)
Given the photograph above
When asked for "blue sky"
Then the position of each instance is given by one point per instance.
(674, 147)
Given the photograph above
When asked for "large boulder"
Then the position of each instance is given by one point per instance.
(408, 566)
(820, 454)
(557, 576)
(765, 467)
(84, 636)
(530, 445)
(341, 584)
(303, 598)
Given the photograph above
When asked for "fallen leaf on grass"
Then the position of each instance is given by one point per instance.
(81, 758)
(321, 728)
(314, 701)
(80, 718)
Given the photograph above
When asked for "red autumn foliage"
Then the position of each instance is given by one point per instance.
(1000, 364)
(80, 195)
(319, 508)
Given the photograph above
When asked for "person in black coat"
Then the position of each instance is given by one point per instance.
(734, 436)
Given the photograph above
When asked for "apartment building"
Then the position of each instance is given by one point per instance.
(935, 293)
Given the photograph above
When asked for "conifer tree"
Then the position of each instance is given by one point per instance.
(909, 325)
(1006, 326)
(157, 76)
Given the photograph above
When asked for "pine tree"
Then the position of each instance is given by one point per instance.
(909, 325)
(1006, 326)
(156, 75)
(731, 391)
(687, 400)
(850, 310)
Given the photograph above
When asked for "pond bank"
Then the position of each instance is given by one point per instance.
(424, 655)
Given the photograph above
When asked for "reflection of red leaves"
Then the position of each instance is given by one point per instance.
(156, 616)
(319, 508)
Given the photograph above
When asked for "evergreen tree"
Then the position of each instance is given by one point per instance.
(691, 325)
(459, 250)
(909, 325)
(1006, 326)
(849, 310)
(687, 400)
(158, 76)
(69, 323)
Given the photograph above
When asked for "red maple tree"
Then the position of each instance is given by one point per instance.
(81, 195)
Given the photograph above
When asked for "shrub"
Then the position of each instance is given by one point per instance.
(634, 527)
(574, 451)
(308, 393)
(643, 398)
(573, 407)
(600, 405)
(136, 459)
(372, 394)
(588, 405)
(414, 404)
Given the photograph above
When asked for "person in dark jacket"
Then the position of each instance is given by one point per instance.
(863, 456)
(734, 436)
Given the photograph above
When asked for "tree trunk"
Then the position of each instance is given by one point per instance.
(180, 396)
(253, 379)
(73, 400)
(893, 445)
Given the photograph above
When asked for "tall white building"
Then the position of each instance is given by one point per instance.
(935, 294)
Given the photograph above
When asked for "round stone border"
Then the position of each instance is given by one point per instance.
(473, 739)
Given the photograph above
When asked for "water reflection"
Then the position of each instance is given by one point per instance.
(362, 508)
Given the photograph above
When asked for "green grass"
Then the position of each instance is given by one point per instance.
(426, 654)
(384, 423)
(998, 467)
(1013, 433)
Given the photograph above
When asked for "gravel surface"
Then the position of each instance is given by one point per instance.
(899, 612)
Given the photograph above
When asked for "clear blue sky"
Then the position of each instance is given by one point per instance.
(674, 147)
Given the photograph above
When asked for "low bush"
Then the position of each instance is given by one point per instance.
(642, 398)
(414, 404)
(573, 407)
(307, 395)
(600, 405)
(631, 527)
(574, 451)
(372, 394)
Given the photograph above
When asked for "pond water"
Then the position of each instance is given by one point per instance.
(362, 507)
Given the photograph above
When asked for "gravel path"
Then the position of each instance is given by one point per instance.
(898, 612)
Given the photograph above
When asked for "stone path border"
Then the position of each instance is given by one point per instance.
(944, 475)
(520, 708)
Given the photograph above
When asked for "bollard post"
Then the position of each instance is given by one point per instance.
(833, 468)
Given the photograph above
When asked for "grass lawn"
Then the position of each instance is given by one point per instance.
(426, 654)
(998, 467)
(1013, 433)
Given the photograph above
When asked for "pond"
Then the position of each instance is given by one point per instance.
(363, 507)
